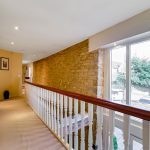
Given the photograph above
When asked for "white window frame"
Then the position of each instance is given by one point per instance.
(136, 126)
(128, 67)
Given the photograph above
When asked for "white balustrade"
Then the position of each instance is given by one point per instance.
(62, 115)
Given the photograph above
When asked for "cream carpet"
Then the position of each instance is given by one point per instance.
(21, 129)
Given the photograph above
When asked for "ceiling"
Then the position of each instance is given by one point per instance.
(48, 26)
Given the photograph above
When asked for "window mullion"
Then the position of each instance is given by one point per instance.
(128, 75)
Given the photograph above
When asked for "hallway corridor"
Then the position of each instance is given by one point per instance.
(21, 129)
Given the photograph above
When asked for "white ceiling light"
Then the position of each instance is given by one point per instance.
(12, 43)
(16, 28)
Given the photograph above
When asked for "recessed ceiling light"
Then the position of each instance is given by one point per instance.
(12, 43)
(16, 28)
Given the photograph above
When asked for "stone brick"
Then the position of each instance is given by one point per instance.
(73, 69)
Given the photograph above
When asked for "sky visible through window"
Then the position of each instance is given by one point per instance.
(143, 51)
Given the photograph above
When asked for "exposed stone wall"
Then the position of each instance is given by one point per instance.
(73, 69)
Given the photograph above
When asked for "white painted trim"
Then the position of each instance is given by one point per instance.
(107, 73)
(146, 135)
(128, 74)
(134, 26)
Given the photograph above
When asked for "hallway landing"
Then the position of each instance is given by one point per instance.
(21, 129)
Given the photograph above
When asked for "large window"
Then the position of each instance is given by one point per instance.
(130, 74)
(130, 84)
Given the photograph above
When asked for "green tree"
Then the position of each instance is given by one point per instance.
(120, 80)
(140, 73)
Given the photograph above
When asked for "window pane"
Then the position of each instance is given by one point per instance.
(118, 74)
(140, 75)
(137, 145)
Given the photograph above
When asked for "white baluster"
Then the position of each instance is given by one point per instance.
(31, 95)
(55, 127)
(52, 110)
(38, 101)
(99, 142)
(90, 137)
(45, 106)
(126, 131)
(66, 129)
(45, 100)
(61, 116)
(58, 122)
(146, 135)
(70, 123)
(111, 128)
(47, 114)
(49, 109)
(106, 129)
(32, 98)
(35, 99)
(82, 125)
(76, 124)
(42, 105)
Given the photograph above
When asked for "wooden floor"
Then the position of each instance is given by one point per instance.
(21, 129)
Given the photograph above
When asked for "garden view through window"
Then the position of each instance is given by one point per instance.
(138, 56)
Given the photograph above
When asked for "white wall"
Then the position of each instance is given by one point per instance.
(134, 26)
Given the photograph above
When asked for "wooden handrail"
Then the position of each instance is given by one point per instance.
(126, 109)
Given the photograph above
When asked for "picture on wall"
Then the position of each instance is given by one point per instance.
(4, 63)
